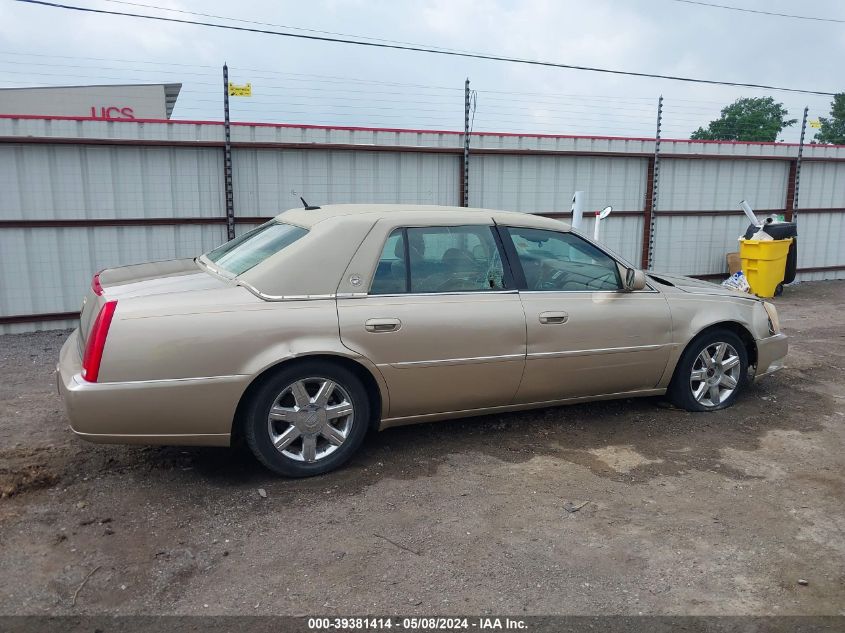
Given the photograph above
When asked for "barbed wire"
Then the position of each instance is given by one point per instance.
(302, 98)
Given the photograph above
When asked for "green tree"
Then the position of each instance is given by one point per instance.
(833, 129)
(749, 119)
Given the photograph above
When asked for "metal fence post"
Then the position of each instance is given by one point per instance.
(465, 186)
(798, 165)
(655, 185)
(227, 159)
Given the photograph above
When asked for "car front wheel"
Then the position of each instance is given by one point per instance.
(710, 373)
(307, 419)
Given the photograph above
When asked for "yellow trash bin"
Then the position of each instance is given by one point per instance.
(764, 264)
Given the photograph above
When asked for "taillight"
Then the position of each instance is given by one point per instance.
(96, 286)
(97, 342)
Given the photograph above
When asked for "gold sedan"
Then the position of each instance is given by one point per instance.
(305, 333)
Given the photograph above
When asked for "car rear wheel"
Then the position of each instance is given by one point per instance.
(710, 373)
(307, 419)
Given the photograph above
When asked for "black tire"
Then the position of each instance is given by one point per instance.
(778, 290)
(257, 410)
(680, 391)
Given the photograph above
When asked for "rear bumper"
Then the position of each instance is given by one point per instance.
(191, 411)
(771, 353)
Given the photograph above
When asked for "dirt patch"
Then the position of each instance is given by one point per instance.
(716, 513)
(24, 470)
(622, 459)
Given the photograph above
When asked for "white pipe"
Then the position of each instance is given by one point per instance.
(600, 215)
(749, 212)
(577, 209)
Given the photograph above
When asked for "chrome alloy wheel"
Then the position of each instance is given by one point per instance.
(715, 374)
(310, 419)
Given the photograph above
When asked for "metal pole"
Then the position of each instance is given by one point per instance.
(655, 184)
(798, 165)
(227, 159)
(465, 201)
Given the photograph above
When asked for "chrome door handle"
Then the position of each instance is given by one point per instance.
(551, 318)
(382, 325)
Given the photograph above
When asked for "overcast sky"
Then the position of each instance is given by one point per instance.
(297, 81)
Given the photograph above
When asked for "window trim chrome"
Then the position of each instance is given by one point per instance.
(471, 293)
(266, 297)
(621, 291)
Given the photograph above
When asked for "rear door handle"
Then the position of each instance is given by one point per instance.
(551, 318)
(382, 325)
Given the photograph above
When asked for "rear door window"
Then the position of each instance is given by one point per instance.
(440, 259)
(390, 275)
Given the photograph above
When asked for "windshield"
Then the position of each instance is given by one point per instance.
(253, 247)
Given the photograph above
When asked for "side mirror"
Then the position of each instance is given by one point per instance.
(634, 279)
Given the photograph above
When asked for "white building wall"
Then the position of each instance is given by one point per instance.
(125, 101)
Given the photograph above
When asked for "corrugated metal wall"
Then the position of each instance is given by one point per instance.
(696, 244)
(707, 184)
(99, 181)
(620, 233)
(821, 243)
(535, 184)
(822, 233)
(48, 270)
(822, 185)
(265, 178)
(80, 195)
(542, 184)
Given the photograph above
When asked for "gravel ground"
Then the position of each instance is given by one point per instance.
(618, 507)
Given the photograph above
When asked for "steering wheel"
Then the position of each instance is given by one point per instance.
(551, 278)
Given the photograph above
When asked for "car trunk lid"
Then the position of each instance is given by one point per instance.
(139, 280)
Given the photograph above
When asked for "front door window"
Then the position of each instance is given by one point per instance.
(555, 261)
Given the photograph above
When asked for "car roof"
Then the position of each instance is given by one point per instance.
(415, 213)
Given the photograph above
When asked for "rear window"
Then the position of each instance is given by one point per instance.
(252, 248)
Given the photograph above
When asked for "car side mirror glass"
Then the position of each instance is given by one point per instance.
(634, 279)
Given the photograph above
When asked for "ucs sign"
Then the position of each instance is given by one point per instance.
(112, 112)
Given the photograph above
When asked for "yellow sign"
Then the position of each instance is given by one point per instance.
(240, 91)
(815, 123)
